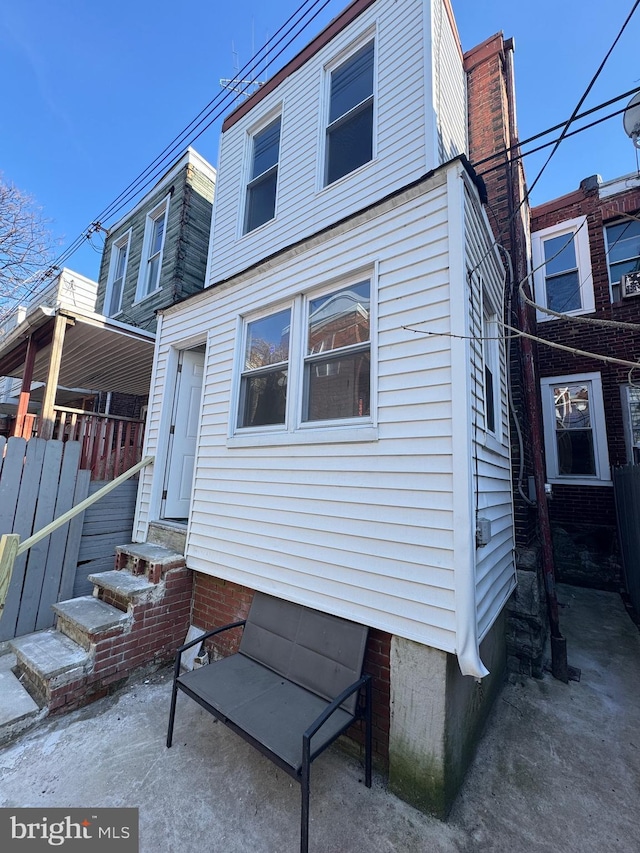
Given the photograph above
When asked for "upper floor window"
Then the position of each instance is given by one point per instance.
(260, 203)
(117, 273)
(349, 141)
(574, 426)
(152, 248)
(623, 252)
(562, 268)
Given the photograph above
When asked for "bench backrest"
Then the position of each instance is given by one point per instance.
(319, 652)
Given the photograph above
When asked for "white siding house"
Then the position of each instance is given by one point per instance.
(343, 427)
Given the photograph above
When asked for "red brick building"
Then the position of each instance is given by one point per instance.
(583, 246)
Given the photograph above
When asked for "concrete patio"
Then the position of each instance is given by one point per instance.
(558, 768)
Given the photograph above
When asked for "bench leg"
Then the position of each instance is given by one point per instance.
(172, 713)
(304, 796)
(368, 737)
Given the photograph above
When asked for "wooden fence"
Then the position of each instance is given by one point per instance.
(39, 481)
(626, 487)
(110, 445)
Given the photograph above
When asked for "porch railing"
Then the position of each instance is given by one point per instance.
(110, 444)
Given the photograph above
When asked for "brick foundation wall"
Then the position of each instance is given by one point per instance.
(218, 602)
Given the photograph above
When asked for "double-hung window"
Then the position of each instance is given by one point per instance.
(263, 383)
(574, 425)
(117, 274)
(623, 252)
(562, 268)
(349, 142)
(152, 249)
(631, 419)
(260, 205)
(309, 363)
(337, 361)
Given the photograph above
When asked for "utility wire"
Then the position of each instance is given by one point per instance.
(214, 110)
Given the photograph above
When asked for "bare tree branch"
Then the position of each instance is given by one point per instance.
(26, 247)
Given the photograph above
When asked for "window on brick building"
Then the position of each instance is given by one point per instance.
(308, 364)
(623, 252)
(574, 429)
(631, 418)
(562, 269)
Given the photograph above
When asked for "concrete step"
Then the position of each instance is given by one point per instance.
(18, 711)
(148, 559)
(120, 587)
(86, 620)
(47, 660)
(170, 534)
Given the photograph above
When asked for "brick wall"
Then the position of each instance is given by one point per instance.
(218, 602)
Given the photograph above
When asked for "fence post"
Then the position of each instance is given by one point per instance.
(9, 543)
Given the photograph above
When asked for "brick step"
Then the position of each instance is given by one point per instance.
(18, 711)
(47, 661)
(121, 589)
(87, 620)
(169, 534)
(148, 559)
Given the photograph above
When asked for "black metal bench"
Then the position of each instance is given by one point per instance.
(292, 688)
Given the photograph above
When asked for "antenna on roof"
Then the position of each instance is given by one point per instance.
(631, 120)
(243, 88)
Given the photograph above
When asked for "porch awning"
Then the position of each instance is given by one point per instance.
(98, 354)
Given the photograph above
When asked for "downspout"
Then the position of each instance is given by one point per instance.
(559, 666)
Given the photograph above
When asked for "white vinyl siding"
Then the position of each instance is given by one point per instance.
(491, 464)
(405, 143)
(362, 529)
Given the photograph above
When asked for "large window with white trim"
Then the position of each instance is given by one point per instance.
(260, 204)
(152, 250)
(308, 362)
(117, 274)
(562, 268)
(349, 136)
(574, 427)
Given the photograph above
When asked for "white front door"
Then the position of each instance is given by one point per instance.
(184, 434)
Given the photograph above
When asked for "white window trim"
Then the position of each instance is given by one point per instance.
(161, 209)
(602, 476)
(605, 237)
(632, 449)
(252, 132)
(579, 228)
(295, 430)
(370, 34)
(491, 356)
(124, 240)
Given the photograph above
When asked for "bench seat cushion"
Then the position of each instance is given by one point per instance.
(265, 705)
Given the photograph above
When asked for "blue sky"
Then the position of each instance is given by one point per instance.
(92, 93)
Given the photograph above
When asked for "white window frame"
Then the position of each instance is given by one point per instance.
(632, 446)
(370, 36)
(491, 360)
(598, 426)
(160, 210)
(123, 242)
(256, 130)
(579, 228)
(617, 296)
(296, 429)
